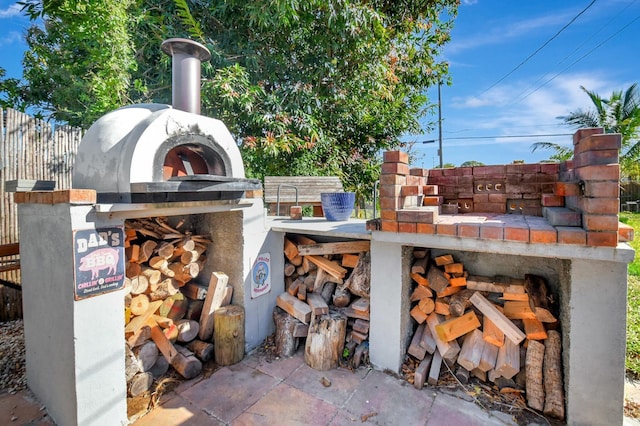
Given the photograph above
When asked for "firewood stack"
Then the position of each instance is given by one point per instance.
(168, 316)
(326, 300)
(499, 329)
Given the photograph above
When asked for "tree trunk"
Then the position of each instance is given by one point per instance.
(325, 341)
(228, 334)
(286, 343)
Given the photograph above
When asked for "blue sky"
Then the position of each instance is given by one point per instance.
(489, 98)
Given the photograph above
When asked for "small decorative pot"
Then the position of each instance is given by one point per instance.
(337, 206)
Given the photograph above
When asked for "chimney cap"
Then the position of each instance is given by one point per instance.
(172, 46)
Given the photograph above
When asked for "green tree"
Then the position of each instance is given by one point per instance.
(79, 59)
(305, 86)
(620, 113)
(472, 163)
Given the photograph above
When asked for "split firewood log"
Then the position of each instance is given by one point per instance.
(359, 282)
(139, 284)
(139, 304)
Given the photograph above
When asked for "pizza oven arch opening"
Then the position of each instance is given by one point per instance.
(188, 156)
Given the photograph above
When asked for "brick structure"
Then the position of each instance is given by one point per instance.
(573, 202)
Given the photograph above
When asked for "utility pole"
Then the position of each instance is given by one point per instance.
(440, 124)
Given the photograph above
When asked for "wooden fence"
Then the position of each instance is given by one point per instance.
(29, 149)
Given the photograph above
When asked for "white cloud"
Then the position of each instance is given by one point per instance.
(11, 11)
(469, 2)
(11, 38)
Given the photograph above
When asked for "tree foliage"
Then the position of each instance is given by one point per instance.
(306, 86)
(620, 113)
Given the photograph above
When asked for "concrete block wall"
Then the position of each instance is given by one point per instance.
(573, 202)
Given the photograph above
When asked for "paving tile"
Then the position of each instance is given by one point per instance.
(286, 405)
(280, 368)
(386, 400)
(177, 411)
(465, 413)
(230, 391)
(343, 383)
(22, 408)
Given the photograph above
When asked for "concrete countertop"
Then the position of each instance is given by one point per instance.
(353, 228)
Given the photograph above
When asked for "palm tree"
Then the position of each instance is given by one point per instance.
(618, 114)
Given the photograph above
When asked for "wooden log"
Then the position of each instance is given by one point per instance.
(317, 304)
(139, 384)
(419, 253)
(508, 361)
(302, 292)
(293, 288)
(512, 332)
(325, 341)
(141, 320)
(437, 280)
(171, 333)
(480, 283)
(228, 334)
(327, 291)
(422, 370)
(187, 330)
(184, 273)
(489, 357)
(534, 329)
(160, 368)
(448, 291)
(479, 374)
(164, 289)
(434, 370)
(420, 292)
(140, 336)
(491, 333)
(174, 307)
(552, 369)
(540, 297)
(357, 337)
(342, 247)
(132, 269)
(194, 309)
(146, 250)
(202, 350)
(153, 275)
(188, 366)
(458, 281)
(448, 350)
(300, 330)
(420, 280)
(361, 326)
(333, 268)
(285, 341)
(457, 326)
(417, 314)
(194, 291)
(189, 256)
(455, 269)
(349, 260)
(294, 307)
(289, 269)
(341, 297)
(163, 322)
(459, 302)
(534, 383)
(296, 261)
(162, 265)
(291, 251)
(445, 259)
(215, 295)
(420, 266)
(165, 249)
(139, 284)
(361, 354)
(471, 351)
(139, 304)
(514, 309)
(427, 341)
(131, 365)
(415, 349)
(441, 306)
(146, 355)
(462, 374)
(359, 282)
(321, 278)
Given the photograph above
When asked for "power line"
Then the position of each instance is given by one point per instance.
(537, 50)
(580, 59)
(498, 137)
(577, 49)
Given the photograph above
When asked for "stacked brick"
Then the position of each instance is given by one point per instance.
(573, 202)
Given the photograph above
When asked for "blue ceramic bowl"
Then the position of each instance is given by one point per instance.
(337, 206)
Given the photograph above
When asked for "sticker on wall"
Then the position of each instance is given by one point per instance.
(98, 256)
(261, 276)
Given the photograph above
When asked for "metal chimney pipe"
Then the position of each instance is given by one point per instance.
(187, 56)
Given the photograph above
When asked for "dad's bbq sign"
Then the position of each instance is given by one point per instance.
(98, 260)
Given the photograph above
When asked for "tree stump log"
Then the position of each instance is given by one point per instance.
(140, 383)
(325, 341)
(286, 343)
(202, 350)
(533, 367)
(228, 334)
(554, 401)
(187, 330)
(146, 355)
(160, 368)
